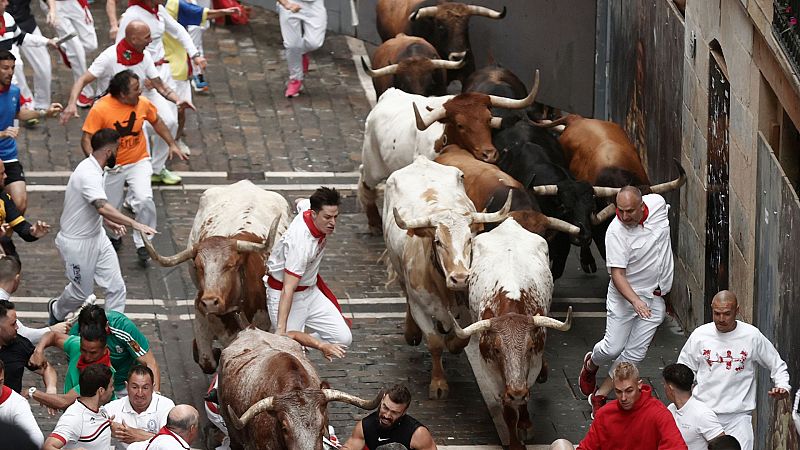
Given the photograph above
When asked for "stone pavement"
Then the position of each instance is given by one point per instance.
(243, 129)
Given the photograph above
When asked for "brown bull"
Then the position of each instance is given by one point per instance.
(233, 231)
(442, 23)
(410, 64)
(282, 401)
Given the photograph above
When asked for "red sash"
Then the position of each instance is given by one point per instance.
(276, 284)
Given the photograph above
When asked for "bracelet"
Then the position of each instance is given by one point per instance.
(196, 55)
(42, 113)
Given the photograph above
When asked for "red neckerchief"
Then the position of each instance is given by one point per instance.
(141, 4)
(127, 55)
(104, 360)
(164, 431)
(5, 394)
(2, 25)
(646, 213)
(311, 227)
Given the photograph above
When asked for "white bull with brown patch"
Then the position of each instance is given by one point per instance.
(429, 244)
(510, 290)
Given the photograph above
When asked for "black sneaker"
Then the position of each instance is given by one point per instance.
(53, 320)
(116, 243)
(143, 256)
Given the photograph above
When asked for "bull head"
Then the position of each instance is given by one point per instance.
(392, 69)
(446, 26)
(535, 321)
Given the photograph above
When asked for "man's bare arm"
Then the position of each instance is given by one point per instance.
(86, 143)
(112, 214)
(356, 441)
(290, 283)
(422, 439)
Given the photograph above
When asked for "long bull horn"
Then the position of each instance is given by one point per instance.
(417, 222)
(563, 226)
(545, 189)
(428, 11)
(257, 408)
(423, 124)
(166, 261)
(476, 327)
(486, 12)
(601, 191)
(671, 185)
(498, 216)
(447, 64)
(549, 322)
(391, 69)
(333, 395)
(604, 214)
(510, 103)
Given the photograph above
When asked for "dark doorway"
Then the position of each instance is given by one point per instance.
(717, 224)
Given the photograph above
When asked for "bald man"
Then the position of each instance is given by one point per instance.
(181, 429)
(723, 355)
(639, 260)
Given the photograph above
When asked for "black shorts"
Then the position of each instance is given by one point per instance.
(14, 172)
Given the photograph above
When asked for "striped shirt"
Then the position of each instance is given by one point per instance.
(80, 427)
(14, 35)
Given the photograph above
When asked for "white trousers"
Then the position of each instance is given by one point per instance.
(168, 113)
(19, 77)
(740, 426)
(39, 60)
(89, 261)
(140, 192)
(627, 335)
(73, 18)
(218, 421)
(302, 32)
(313, 311)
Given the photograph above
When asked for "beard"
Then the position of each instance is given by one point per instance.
(111, 161)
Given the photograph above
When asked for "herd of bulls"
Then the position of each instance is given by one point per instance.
(480, 208)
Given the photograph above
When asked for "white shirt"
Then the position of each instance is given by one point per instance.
(80, 427)
(697, 423)
(158, 26)
(161, 442)
(15, 410)
(151, 419)
(80, 219)
(105, 66)
(299, 251)
(644, 251)
(725, 365)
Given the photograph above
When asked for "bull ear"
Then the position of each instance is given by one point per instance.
(487, 314)
(324, 385)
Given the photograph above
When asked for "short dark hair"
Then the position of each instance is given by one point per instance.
(324, 196)
(141, 369)
(5, 306)
(120, 83)
(93, 333)
(724, 442)
(400, 394)
(6, 55)
(94, 377)
(92, 315)
(103, 137)
(9, 268)
(679, 375)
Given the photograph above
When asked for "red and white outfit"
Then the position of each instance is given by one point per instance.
(15, 411)
(82, 427)
(150, 420)
(302, 32)
(160, 22)
(697, 423)
(165, 439)
(212, 411)
(74, 17)
(645, 252)
(725, 367)
(299, 253)
(11, 38)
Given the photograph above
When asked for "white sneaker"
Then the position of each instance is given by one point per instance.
(183, 147)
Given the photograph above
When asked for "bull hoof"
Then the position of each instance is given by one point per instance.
(195, 352)
(589, 266)
(516, 446)
(438, 390)
(542, 377)
(413, 338)
(376, 230)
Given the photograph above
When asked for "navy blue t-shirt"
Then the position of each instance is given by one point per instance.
(9, 107)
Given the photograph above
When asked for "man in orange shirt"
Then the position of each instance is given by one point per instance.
(125, 111)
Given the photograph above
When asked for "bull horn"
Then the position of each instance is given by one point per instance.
(550, 123)
(423, 124)
(476, 327)
(549, 322)
(411, 223)
(486, 12)
(333, 395)
(391, 69)
(600, 191)
(671, 185)
(166, 261)
(247, 246)
(449, 65)
(496, 122)
(428, 11)
(273, 232)
(510, 103)
(545, 189)
(257, 408)
(564, 227)
(604, 214)
(497, 216)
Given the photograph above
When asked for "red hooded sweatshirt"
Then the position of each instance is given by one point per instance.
(648, 426)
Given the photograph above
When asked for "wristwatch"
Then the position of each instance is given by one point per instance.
(31, 390)
(196, 55)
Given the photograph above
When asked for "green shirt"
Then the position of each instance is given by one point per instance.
(125, 344)
(72, 347)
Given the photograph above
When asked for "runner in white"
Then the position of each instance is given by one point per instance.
(724, 355)
(85, 424)
(183, 424)
(15, 411)
(696, 421)
(82, 242)
(297, 298)
(139, 415)
(303, 25)
(212, 412)
(153, 13)
(35, 56)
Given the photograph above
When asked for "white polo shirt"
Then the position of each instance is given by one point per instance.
(299, 251)
(158, 26)
(80, 219)
(697, 423)
(151, 420)
(105, 66)
(80, 427)
(15, 410)
(169, 441)
(644, 251)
